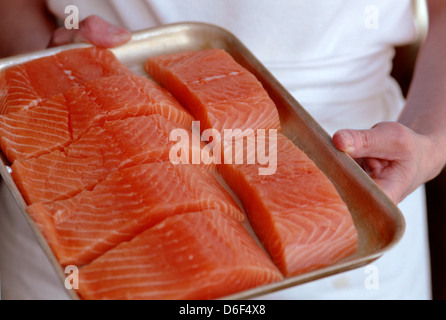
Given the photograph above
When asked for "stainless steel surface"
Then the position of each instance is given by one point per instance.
(379, 222)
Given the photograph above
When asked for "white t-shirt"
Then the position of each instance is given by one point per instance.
(335, 58)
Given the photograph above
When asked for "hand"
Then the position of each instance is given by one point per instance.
(94, 30)
(396, 158)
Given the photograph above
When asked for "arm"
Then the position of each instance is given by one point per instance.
(401, 156)
(17, 18)
(425, 110)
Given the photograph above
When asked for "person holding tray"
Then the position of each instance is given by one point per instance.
(335, 59)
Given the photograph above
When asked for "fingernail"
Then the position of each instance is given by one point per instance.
(117, 30)
(348, 141)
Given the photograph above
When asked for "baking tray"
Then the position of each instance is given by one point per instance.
(379, 222)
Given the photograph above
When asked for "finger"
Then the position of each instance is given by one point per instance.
(386, 140)
(94, 30)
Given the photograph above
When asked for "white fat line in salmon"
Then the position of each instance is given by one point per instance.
(190, 149)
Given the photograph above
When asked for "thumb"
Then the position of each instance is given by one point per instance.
(94, 30)
(385, 140)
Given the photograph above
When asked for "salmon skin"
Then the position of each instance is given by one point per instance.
(198, 255)
(27, 84)
(127, 202)
(297, 213)
(54, 123)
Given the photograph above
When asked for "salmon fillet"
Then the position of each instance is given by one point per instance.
(216, 90)
(81, 165)
(40, 79)
(119, 97)
(92, 157)
(54, 123)
(198, 255)
(36, 130)
(296, 212)
(127, 202)
(55, 176)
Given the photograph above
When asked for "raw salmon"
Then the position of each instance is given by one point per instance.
(127, 202)
(91, 156)
(54, 123)
(39, 79)
(218, 91)
(296, 213)
(198, 255)
(125, 143)
(55, 176)
(37, 130)
(119, 97)
(85, 162)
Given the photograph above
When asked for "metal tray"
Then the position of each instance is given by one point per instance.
(379, 222)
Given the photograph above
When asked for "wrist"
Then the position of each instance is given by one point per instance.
(435, 155)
